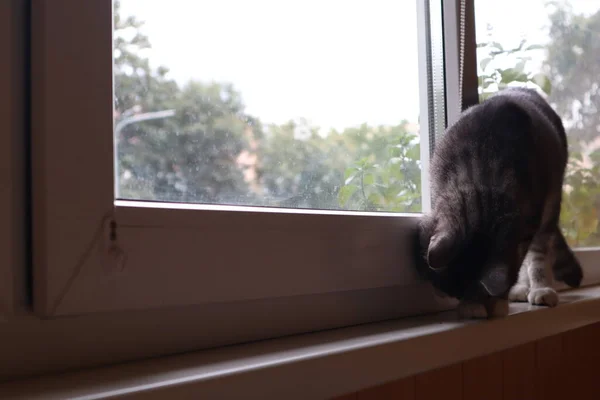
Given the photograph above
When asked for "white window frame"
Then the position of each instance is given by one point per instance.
(176, 255)
(13, 171)
(130, 327)
(369, 274)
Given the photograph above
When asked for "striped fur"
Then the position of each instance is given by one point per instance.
(497, 177)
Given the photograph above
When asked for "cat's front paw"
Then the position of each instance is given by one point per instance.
(543, 297)
(518, 293)
(467, 310)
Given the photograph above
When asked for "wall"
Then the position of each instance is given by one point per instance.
(557, 367)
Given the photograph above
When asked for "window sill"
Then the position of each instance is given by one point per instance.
(319, 365)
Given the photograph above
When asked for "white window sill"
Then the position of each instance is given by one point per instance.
(318, 365)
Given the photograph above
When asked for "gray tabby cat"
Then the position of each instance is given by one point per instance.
(497, 177)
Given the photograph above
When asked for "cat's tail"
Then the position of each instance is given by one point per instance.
(566, 268)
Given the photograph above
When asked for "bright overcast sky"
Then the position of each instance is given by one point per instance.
(337, 63)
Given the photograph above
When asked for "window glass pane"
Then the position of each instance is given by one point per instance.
(296, 103)
(553, 46)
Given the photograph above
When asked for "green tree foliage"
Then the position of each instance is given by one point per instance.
(387, 175)
(493, 78)
(362, 168)
(188, 157)
(581, 199)
(572, 65)
(298, 167)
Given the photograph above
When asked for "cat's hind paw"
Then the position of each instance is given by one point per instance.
(543, 297)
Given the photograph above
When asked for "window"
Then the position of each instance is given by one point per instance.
(247, 166)
(551, 46)
(235, 186)
(12, 156)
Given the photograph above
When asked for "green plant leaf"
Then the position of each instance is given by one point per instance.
(485, 62)
(368, 179)
(543, 82)
(346, 193)
(414, 153)
(349, 172)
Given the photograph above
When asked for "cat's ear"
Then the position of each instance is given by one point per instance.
(442, 249)
(495, 280)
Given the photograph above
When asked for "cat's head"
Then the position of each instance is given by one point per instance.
(469, 263)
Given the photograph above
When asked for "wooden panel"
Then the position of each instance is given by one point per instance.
(518, 372)
(550, 369)
(482, 378)
(445, 383)
(13, 171)
(351, 396)
(403, 389)
(555, 368)
(582, 352)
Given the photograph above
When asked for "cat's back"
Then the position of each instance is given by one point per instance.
(514, 134)
(514, 115)
(543, 120)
